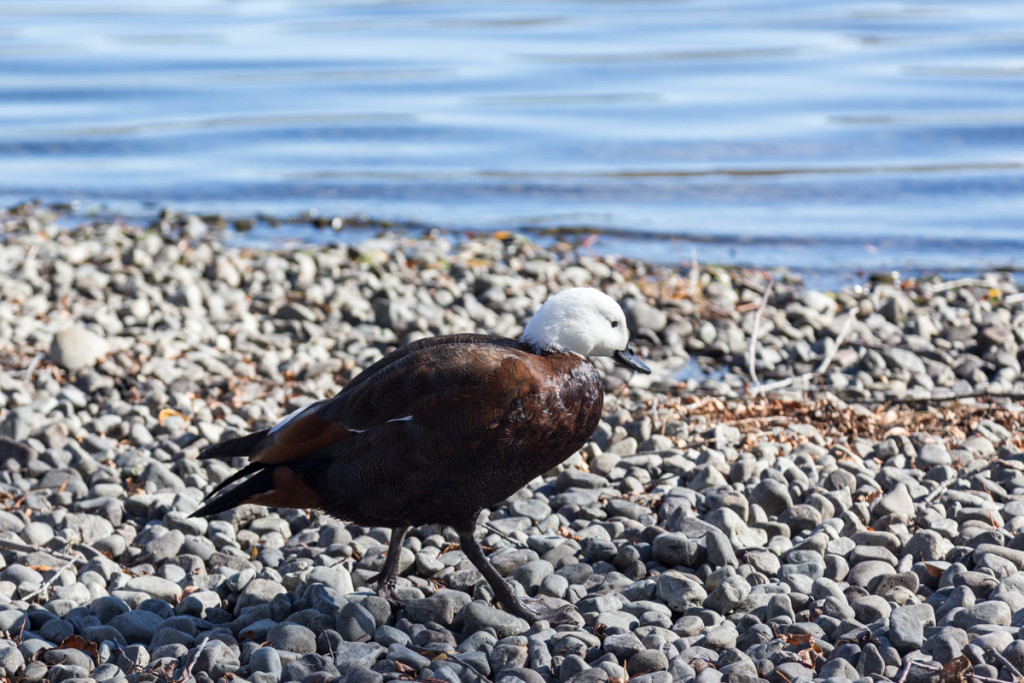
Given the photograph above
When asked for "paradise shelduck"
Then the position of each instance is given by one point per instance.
(438, 430)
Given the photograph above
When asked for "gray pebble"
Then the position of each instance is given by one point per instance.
(987, 612)
(355, 623)
(772, 496)
(292, 638)
(349, 655)
(728, 596)
(478, 615)
(75, 348)
(623, 645)
(137, 626)
(906, 632)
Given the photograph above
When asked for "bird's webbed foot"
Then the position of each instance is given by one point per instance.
(530, 609)
(387, 589)
(535, 609)
(387, 579)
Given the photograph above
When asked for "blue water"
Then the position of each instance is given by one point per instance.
(820, 135)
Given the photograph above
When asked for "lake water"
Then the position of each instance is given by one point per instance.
(826, 136)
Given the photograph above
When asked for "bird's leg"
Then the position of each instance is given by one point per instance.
(388, 576)
(531, 609)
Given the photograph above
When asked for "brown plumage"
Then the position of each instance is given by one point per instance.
(433, 433)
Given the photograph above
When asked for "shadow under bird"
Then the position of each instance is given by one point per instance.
(438, 430)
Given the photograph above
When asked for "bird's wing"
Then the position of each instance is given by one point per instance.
(414, 380)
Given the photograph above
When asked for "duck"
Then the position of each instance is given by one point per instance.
(438, 430)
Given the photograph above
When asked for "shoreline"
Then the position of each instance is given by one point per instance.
(314, 229)
(845, 510)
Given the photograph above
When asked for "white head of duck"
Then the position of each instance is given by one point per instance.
(583, 321)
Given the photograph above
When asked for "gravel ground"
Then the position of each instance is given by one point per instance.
(809, 506)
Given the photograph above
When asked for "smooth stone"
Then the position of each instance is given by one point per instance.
(906, 632)
(729, 596)
(267, 660)
(349, 655)
(292, 638)
(478, 615)
(258, 592)
(674, 549)
(75, 348)
(735, 529)
(863, 573)
(137, 626)
(772, 496)
(623, 645)
(441, 607)
(988, 612)
(679, 591)
(897, 501)
(157, 587)
(647, 661)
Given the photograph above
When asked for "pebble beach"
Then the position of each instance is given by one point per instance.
(810, 485)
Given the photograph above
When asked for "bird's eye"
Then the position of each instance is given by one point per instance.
(615, 323)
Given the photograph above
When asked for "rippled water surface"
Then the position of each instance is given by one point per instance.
(819, 135)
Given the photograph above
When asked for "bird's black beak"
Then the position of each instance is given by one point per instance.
(627, 359)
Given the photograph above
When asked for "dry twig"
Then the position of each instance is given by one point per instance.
(187, 673)
(31, 370)
(962, 282)
(826, 361)
(49, 582)
(752, 347)
(1005, 663)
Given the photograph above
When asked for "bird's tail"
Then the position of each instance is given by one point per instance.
(288, 485)
(241, 446)
(219, 500)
